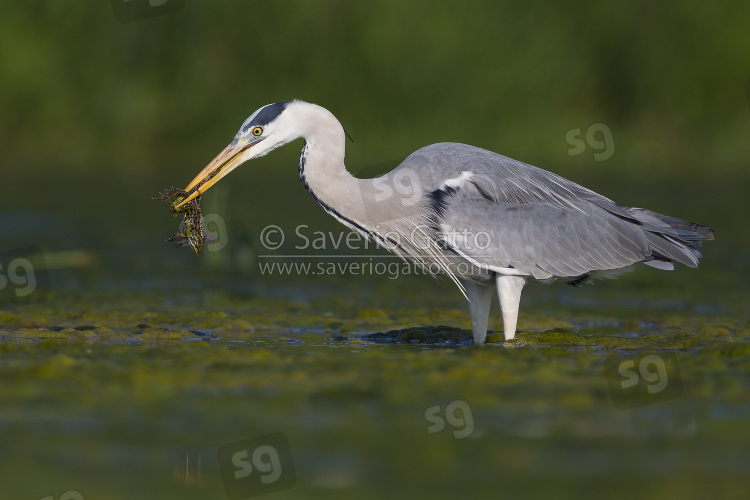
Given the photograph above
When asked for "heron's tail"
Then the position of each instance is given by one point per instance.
(671, 239)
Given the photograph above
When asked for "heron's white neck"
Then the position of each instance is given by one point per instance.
(321, 164)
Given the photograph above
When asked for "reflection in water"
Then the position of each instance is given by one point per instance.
(188, 470)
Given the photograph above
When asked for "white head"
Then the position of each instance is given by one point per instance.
(268, 128)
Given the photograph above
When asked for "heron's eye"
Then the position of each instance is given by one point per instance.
(257, 131)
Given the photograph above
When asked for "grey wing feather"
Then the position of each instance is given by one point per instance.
(540, 223)
(495, 176)
(541, 241)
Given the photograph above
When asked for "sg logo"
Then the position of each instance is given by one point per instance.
(18, 276)
(266, 462)
(598, 137)
(256, 466)
(127, 11)
(644, 380)
(457, 414)
(67, 495)
(406, 184)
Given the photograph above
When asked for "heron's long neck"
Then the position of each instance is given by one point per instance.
(322, 171)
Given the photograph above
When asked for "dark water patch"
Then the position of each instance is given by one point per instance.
(437, 335)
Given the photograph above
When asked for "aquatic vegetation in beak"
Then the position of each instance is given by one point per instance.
(192, 222)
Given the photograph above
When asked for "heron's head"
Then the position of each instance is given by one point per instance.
(268, 128)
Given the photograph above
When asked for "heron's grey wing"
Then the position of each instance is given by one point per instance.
(550, 224)
(537, 222)
(540, 240)
(495, 177)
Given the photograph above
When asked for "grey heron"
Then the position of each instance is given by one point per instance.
(486, 221)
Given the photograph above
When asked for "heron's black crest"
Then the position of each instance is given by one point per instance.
(266, 115)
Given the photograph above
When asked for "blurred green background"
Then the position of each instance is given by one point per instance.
(98, 116)
(83, 93)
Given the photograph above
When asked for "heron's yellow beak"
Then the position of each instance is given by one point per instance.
(225, 162)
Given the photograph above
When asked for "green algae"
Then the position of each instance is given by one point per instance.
(141, 333)
(138, 382)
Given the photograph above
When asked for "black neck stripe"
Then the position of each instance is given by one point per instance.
(333, 211)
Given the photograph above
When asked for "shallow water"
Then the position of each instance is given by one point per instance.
(136, 370)
(125, 394)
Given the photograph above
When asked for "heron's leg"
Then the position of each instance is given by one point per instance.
(480, 300)
(509, 289)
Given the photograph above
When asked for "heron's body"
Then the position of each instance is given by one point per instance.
(485, 220)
